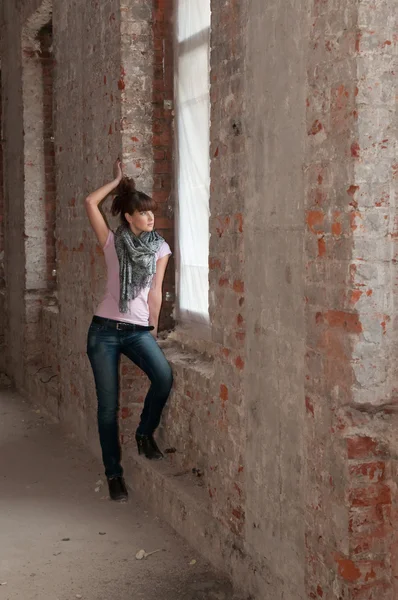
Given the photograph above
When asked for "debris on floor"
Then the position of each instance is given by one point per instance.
(98, 485)
(141, 554)
(50, 531)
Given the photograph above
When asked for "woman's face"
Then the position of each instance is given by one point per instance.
(141, 221)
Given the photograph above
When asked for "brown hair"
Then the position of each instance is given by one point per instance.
(128, 200)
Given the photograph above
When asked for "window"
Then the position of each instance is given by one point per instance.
(193, 158)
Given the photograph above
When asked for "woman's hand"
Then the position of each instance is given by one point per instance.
(117, 171)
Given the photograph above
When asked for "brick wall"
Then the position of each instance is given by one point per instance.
(91, 82)
(146, 92)
(3, 319)
(371, 417)
(2, 219)
(224, 446)
(13, 190)
(287, 414)
(162, 140)
(331, 322)
(204, 421)
(24, 209)
(38, 217)
(128, 104)
(350, 335)
(45, 37)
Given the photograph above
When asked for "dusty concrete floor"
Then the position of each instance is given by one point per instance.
(61, 540)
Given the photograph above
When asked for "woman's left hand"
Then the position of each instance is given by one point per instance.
(117, 171)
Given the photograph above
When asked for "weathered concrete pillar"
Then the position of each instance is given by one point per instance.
(14, 245)
(275, 459)
(349, 293)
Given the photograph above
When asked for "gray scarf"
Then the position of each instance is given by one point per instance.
(137, 262)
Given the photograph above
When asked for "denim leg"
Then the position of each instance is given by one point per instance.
(143, 350)
(103, 350)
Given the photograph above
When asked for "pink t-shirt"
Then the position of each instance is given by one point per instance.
(109, 307)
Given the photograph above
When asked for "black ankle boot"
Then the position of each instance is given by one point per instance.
(117, 489)
(146, 445)
(155, 446)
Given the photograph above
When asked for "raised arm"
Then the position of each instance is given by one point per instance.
(155, 294)
(93, 201)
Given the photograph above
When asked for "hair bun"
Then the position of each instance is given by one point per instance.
(126, 186)
(124, 191)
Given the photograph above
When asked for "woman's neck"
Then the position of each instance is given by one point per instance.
(137, 232)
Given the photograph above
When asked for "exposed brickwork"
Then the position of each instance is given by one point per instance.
(13, 169)
(3, 311)
(348, 246)
(2, 215)
(146, 90)
(47, 63)
(222, 449)
(287, 413)
(330, 179)
(162, 140)
(84, 157)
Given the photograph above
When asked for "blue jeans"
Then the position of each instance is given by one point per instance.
(104, 347)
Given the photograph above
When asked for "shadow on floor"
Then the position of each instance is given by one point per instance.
(60, 539)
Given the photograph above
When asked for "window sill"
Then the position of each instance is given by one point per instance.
(195, 339)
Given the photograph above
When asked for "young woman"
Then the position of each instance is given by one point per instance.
(126, 321)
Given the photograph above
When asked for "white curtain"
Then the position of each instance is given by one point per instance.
(193, 131)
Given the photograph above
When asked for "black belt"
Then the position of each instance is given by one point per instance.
(121, 325)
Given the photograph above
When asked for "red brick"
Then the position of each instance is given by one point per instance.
(352, 190)
(349, 322)
(223, 392)
(379, 590)
(370, 472)
(164, 223)
(367, 519)
(161, 167)
(347, 569)
(315, 221)
(321, 247)
(125, 412)
(214, 263)
(159, 155)
(365, 447)
(239, 363)
(161, 196)
(309, 406)
(315, 128)
(370, 495)
(370, 544)
(355, 149)
(238, 286)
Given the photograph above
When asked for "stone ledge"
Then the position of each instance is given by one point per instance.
(193, 374)
(182, 357)
(189, 342)
(180, 500)
(193, 377)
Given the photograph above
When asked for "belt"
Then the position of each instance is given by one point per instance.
(121, 325)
